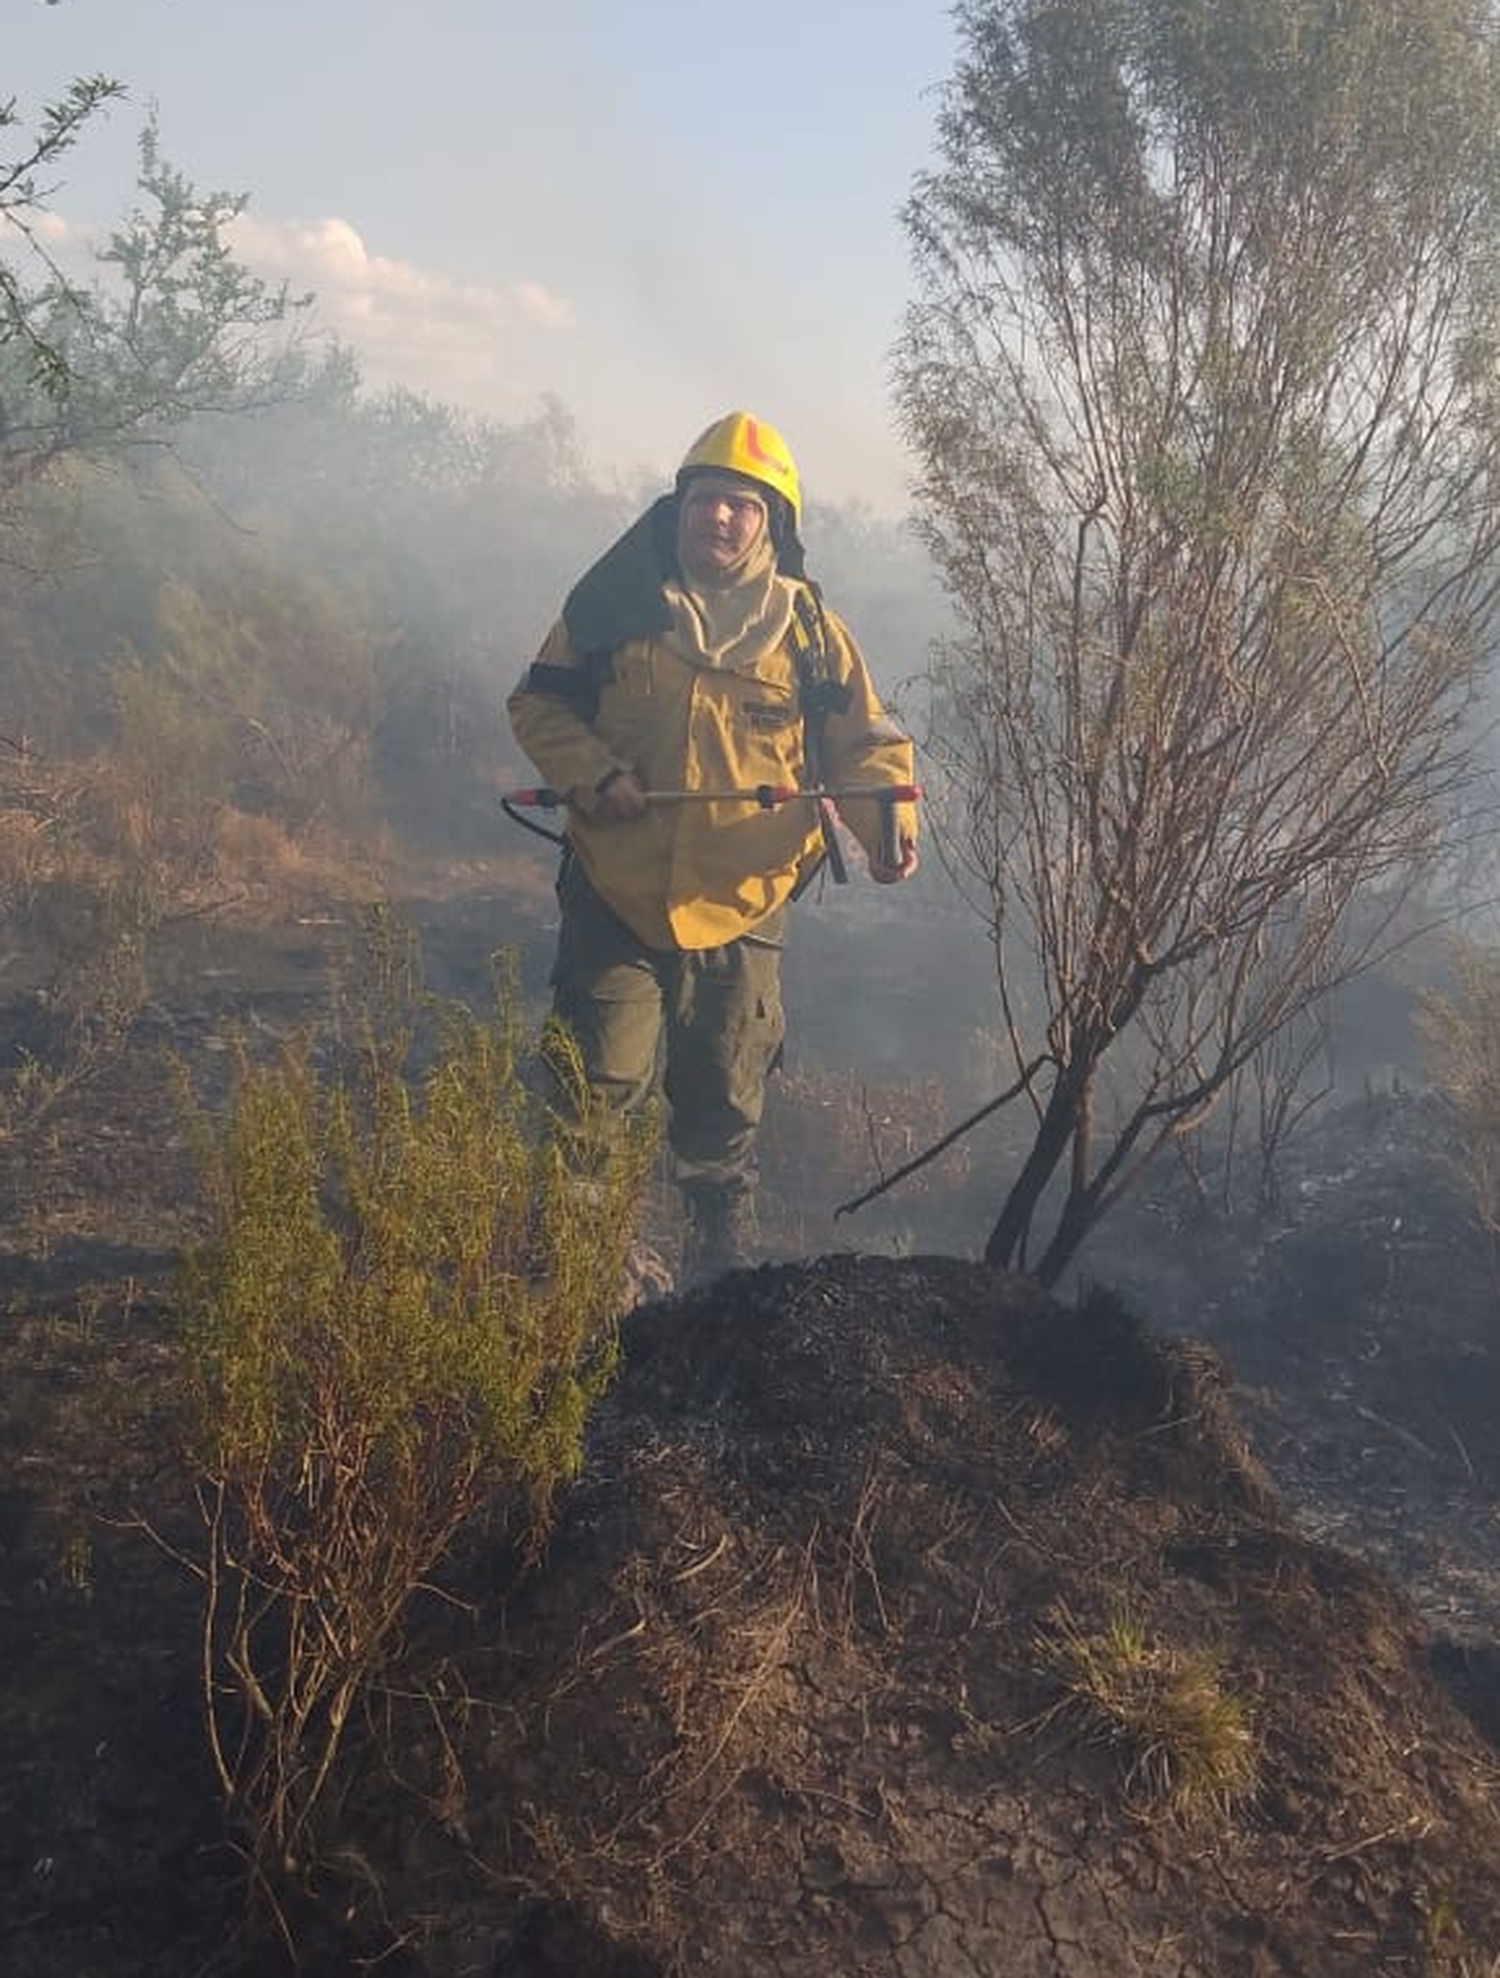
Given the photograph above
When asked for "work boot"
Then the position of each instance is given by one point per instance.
(645, 1273)
(647, 1276)
(720, 1233)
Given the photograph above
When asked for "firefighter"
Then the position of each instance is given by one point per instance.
(695, 656)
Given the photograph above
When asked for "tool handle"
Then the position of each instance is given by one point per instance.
(890, 843)
(769, 795)
(837, 864)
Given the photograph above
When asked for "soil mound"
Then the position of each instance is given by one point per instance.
(907, 1622)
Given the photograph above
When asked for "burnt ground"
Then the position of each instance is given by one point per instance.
(796, 1686)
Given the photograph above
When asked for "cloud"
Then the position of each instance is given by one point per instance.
(54, 229)
(47, 236)
(543, 307)
(467, 342)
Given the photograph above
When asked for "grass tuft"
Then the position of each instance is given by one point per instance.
(1186, 1737)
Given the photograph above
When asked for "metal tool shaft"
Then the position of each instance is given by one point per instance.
(767, 796)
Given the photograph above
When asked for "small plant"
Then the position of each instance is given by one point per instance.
(1186, 1738)
(76, 1564)
(402, 1314)
(1446, 1942)
(82, 911)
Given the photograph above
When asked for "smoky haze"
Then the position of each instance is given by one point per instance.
(315, 613)
(311, 617)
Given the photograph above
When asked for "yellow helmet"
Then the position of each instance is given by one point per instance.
(741, 444)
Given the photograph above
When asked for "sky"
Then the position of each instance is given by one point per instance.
(655, 210)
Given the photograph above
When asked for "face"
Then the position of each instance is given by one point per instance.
(719, 522)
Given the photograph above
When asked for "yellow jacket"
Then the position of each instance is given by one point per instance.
(703, 873)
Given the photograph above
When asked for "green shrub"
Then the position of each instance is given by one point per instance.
(402, 1314)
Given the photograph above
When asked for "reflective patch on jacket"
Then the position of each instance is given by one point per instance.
(768, 717)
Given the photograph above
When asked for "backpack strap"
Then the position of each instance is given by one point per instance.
(821, 694)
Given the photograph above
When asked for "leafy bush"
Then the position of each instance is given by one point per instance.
(401, 1315)
(220, 709)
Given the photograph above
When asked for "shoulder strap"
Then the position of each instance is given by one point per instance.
(821, 689)
(820, 693)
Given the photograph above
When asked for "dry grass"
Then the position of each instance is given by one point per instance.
(828, 1134)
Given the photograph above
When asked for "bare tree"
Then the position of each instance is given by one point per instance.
(1202, 380)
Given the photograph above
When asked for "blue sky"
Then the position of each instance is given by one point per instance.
(656, 209)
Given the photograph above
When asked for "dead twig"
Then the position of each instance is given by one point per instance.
(940, 1147)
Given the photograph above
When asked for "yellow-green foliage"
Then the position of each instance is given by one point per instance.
(403, 1311)
(222, 698)
(407, 1255)
(1186, 1738)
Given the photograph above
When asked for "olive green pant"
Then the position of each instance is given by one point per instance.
(705, 1027)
